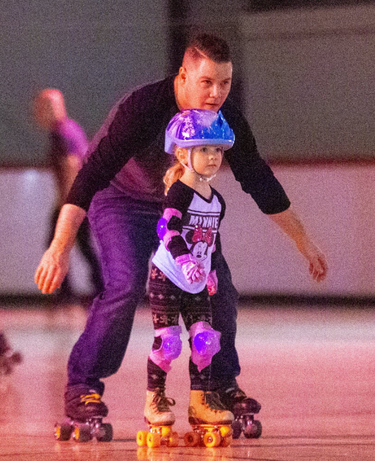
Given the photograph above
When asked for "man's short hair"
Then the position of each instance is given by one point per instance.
(208, 46)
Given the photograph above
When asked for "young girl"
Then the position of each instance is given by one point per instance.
(183, 270)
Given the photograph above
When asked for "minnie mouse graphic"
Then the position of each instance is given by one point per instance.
(200, 241)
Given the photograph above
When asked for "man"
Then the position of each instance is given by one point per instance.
(67, 149)
(122, 185)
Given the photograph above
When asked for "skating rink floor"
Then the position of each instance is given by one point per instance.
(312, 369)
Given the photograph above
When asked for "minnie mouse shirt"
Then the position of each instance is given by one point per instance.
(191, 226)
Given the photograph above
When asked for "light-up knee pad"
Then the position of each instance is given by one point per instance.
(169, 349)
(205, 343)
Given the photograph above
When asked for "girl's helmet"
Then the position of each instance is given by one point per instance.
(198, 127)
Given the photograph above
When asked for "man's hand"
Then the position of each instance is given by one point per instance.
(54, 264)
(52, 270)
(318, 266)
(290, 223)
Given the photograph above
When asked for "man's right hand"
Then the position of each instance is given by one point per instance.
(52, 270)
(54, 264)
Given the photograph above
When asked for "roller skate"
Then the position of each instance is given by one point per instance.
(210, 421)
(8, 357)
(85, 412)
(244, 408)
(160, 420)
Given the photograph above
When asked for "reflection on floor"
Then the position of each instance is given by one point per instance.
(311, 368)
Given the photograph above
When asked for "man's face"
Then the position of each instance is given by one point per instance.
(205, 84)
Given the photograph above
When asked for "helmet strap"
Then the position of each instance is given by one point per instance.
(190, 167)
(206, 178)
(190, 164)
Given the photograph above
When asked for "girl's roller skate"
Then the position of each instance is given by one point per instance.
(244, 408)
(210, 421)
(85, 412)
(160, 420)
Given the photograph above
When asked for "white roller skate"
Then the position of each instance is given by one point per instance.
(210, 421)
(160, 419)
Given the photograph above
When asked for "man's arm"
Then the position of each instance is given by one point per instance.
(257, 179)
(69, 168)
(291, 225)
(54, 264)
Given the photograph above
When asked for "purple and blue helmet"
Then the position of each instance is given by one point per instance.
(198, 127)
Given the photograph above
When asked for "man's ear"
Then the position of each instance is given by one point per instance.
(182, 73)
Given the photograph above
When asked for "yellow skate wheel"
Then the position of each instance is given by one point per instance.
(57, 432)
(173, 440)
(142, 438)
(225, 431)
(166, 431)
(81, 433)
(191, 439)
(153, 440)
(211, 439)
(63, 431)
(226, 441)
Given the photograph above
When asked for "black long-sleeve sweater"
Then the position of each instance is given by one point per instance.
(128, 151)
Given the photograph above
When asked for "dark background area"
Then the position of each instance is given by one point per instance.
(95, 51)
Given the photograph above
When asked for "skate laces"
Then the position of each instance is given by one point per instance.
(213, 400)
(162, 402)
(91, 398)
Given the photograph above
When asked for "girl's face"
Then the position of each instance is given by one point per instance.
(206, 160)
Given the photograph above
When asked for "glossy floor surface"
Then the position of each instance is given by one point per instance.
(313, 370)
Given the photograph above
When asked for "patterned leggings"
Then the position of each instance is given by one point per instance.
(167, 301)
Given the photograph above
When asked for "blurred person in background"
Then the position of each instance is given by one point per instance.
(67, 149)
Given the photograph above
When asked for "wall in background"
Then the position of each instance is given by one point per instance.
(93, 51)
(336, 203)
(308, 78)
(303, 76)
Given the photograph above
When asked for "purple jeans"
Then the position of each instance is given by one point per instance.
(125, 230)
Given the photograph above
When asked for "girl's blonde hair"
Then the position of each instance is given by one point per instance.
(173, 174)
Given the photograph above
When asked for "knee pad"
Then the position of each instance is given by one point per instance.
(169, 349)
(205, 343)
